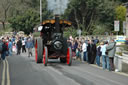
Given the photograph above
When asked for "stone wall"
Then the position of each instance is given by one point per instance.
(100, 37)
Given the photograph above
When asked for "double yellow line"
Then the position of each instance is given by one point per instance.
(5, 73)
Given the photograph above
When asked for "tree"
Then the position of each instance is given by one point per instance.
(84, 14)
(81, 13)
(25, 22)
(26, 19)
(4, 8)
(123, 1)
(120, 13)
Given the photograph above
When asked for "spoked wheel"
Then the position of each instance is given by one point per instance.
(69, 56)
(38, 50)
(45, 56)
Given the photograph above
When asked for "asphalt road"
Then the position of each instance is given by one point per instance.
(21, 70)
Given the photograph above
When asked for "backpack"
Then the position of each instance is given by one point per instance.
(1, 46)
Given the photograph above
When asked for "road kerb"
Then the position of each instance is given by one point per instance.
(121, 73)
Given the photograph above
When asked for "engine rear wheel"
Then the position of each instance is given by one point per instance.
(45, 56)
(69, 56)
(38, 50)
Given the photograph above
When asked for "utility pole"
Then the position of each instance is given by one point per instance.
(40, 11)
(127, 23)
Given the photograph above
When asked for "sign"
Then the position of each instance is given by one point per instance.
(124, 27)
(116, 25)
(120, 40)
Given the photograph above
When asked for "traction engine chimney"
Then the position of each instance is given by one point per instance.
(57, 23)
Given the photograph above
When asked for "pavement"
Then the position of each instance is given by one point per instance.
(22, 70)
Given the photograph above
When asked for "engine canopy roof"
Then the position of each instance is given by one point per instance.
(65, 23)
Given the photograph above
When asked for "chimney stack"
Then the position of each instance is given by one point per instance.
(57, 23)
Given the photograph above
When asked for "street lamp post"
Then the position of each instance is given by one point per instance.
(40, 11)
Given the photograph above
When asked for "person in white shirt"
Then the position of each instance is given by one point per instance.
(84, 49)
(105, 58)
(23, 46)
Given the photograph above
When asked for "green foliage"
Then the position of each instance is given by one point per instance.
(106, 12)
(25, 22)
(84, 14)
(36, 34)
(70, 31)
(119, 53)
(8, 29)
(26, 16)
(123, 1)
(120, 13)
(100, 29)
(125, 47)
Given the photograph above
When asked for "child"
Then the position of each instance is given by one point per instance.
(14, 48)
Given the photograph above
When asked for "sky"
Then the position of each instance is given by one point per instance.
(58, 6)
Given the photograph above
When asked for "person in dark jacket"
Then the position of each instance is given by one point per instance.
(98, 54)
(4, 49)
(96, 40)
(19, 46)
(91, 49)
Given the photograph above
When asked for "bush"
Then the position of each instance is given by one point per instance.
(119, 53)
(70, 31)
(36, 34)
(125, 47)
(100, 29)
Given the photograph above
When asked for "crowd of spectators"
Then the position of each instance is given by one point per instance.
(15, 45)
(90, 50)
(94, 51)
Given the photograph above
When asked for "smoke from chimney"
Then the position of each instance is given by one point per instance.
(58, 6)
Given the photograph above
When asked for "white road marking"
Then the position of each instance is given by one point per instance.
(5, 71)
(3, 74)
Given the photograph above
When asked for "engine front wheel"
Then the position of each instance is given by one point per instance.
(45, 56)
(38, 50)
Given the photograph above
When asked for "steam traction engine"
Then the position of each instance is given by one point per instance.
(52, 44)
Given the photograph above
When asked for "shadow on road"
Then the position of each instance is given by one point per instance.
(74, 63)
